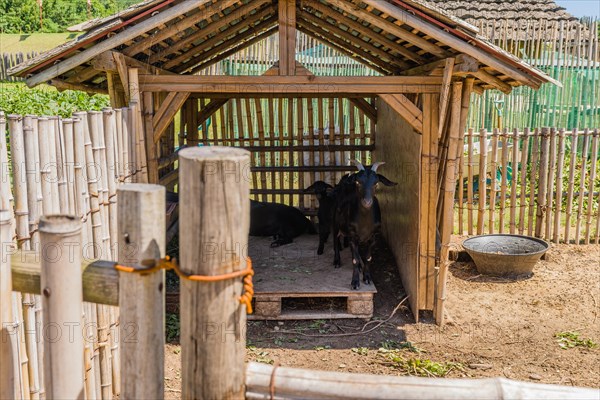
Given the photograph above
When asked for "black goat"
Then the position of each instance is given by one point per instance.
(281, 221)
(325, 196)
(357, 216)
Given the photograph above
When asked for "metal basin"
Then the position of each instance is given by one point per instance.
(504, 254)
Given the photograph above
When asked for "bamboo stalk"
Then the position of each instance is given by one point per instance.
(533, 179)
(550, 191)
(542, 206)
(221, 197)
(482, 180)
(524, 161)
(68, 164)
(513, 182)
(586, 142)
(559, 185)
(58, 154)
(8, 346)
(470, 201)
(494, 165)
(62, 303)
(590, 208)
(503, 182)
(110, 126)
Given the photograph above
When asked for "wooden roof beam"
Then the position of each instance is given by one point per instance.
(353, 40)
(342, 18)
(213, 27)
(287, 37)
(254, 30)
(204, 13)
(390, 27)
(453, 41)
(196, 51)
(113, 41)
(327, 41)
(345, 44)
(406, 108)
(242, 44)
(493, 81)
(167, 111)
(275, 85)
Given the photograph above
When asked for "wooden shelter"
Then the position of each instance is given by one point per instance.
(412, 116)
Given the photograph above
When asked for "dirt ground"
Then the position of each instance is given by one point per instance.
(496, 327)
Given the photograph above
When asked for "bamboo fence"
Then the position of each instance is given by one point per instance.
(9, 60)
(541, 182)
(67, 166)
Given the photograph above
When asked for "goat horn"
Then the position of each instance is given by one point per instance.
(377, 165)
(357, 164)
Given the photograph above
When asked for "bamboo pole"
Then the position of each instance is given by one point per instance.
(266, 381)
(62, 303)
(68, 167)
(542, 206)
(8, 345)
(494, 165)
(482, 180)
(58, 153)
(215, 328)
(584, 152)
(571, 182)
(533, 179)
(110, 125)
(559, 185)
(455, 149)
(550, 191)
(504, 177)
(470, 201)
(513, 183)
(594, 161)
(523, 189)
(141, 236)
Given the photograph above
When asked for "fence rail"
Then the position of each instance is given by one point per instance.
(541, 182)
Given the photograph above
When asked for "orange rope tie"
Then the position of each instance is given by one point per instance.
(167, 263)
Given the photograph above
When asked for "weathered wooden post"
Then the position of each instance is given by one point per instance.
(7, 346)
(141, 227)
(214, 220)
(62, 302)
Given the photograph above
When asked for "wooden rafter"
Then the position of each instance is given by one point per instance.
(493, 81)
(406, 108)
(287, 37)
(167, 111)
(113, 41)
(62, 85)
(344, 19)
(186, 22)
(196, 51)
(355, 42)
(445, 94)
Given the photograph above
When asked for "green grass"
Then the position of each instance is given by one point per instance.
(570, 339)
(39, 42)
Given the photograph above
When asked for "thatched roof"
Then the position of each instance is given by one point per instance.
(476, 11)
(394, 37)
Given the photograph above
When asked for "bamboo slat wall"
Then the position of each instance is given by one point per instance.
(569, 53)
(69, 166)
(542, 182)
(9, 60)
(293, 141)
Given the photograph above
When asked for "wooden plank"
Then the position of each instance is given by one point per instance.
(114, 41)
(399, 146)
(406, 109)
(445, 93)
(160, 126)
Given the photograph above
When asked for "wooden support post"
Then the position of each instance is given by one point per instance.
(62, 301)
(8, 348)
(455, 146)
(141, 216)
(287, 37)
(445, 94)
(214, 234)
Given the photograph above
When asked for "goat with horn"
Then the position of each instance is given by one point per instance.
(357, 217)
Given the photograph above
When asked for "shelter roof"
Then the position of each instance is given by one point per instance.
(394, 37)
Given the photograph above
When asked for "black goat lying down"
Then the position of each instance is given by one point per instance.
(325, 196)
(281, 221)
(357, 216)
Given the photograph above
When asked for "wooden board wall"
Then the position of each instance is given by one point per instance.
(400, 147)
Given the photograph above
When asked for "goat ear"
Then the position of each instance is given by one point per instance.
(385, 180)
(310, 189)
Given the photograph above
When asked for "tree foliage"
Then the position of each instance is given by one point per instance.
(23, 16)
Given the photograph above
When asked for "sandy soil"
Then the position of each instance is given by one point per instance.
(496, 327)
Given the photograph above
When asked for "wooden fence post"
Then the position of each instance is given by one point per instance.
(62, 299)
(214, 186)
(543, 179)
(141, 226)
(8, 350)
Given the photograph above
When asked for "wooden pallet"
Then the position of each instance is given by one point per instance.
(293, 282)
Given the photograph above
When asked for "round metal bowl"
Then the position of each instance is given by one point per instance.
(504, 254)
